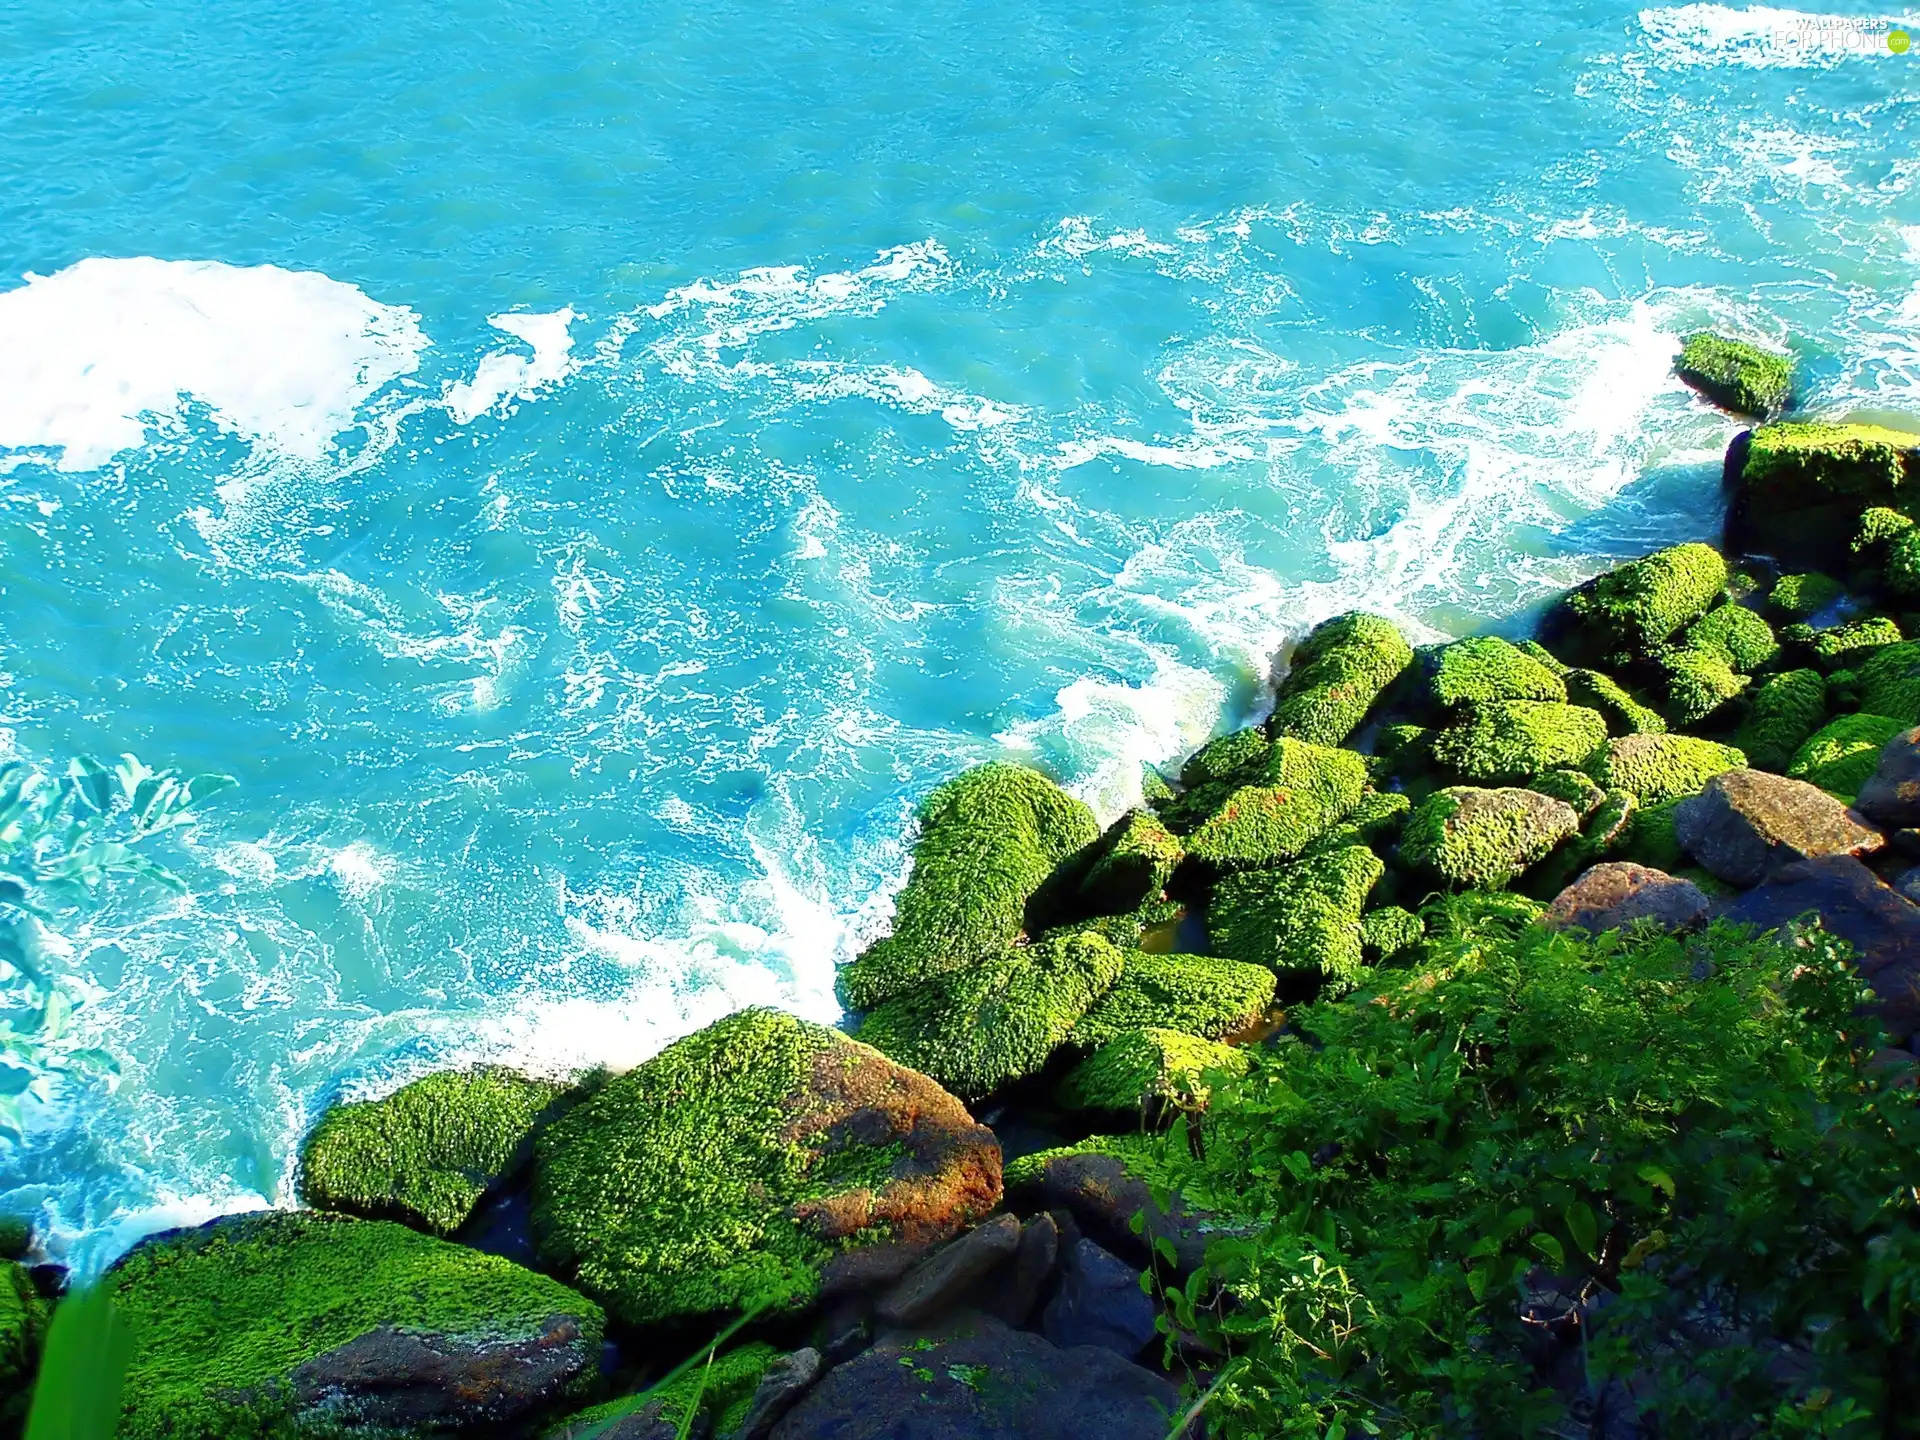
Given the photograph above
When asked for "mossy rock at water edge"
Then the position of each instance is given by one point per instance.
(1375, 820)
(1302, 918)
(1137, 858)
(1624, 714)
(1486, 668)
(1337, 673)
(1571, 787)
(988, 840)
(1302, 790)
(1197, 994)
(269, 1326)
(1840, 646)
(425, 1154)
(1735, 635)
(1639, 607)
(1662, 767)
(1841, 756)
(1785, 711)
(1139, 1070)
(1517, 739)
(740, 1160)
(977, 1029)
(1802, 485)
(1467, 837)
(23, 1322)
(1734, 375)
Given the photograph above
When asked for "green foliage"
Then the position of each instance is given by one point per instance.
(1843, 646)
(1736, 636)
(1301, 918)
(221, 1316)
(1682, 1122)
(1196, 994)
(1662, 767)
(1889, 682)
(425, 1154)
(1137, 858)
(977, 1029)
(1734, 375)
(1698, 682)
(1638, 607)
(1517, 739)
(1571, 787)
(1485, 668)
(1485, 838)
(1147, 1070)
(988, 839)
(1624, 715)
(1390, 932)
(1800, 463)
(1338, 671)
(1843, 754)
(1800, 596)
(1785, 711)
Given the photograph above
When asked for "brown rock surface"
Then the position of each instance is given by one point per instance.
(1620, 892)
(1746, 823)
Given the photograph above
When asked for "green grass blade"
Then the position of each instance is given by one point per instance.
(85, 1363)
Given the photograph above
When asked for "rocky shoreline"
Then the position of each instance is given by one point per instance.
(939, 1226)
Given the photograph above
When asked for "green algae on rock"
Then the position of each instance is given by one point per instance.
(1624, 715)
(735, 1164)
(1139, 1070)
(1517, 739)
(1651, 840)
(23, 1321)
(1845, 645)
(1137, 858)
(1734, 375)
(1571, 787)
(1841, 756)
(238, 1325)
(1305, 788)
(425, 1154)
(1800, 596)
(1735, 635)
(1468, 837)
(988, 839)
(1375, 820)
(999, 1020)
(1485, 668)
(1889, 681)
(1338, 672)
(1200, 995)
(1390, 931)
(1785, 710)
(1802, 485)
(1641, 605)
(1298, 918)
(1662, 767)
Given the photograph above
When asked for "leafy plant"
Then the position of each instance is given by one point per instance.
(1683, 1133)
(63, 839)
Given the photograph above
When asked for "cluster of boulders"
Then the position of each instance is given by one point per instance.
(487, 1253)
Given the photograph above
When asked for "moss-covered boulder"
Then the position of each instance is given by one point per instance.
(1200, 995)
(1651, 840)
(275, 1324)
(1799, 597)
(425, 1154)
(16, 1237)
(1390, 932)
(1889, 681)
(997, 1021)
(1145, 1071)
(1734, 375)
(1802, 485)
(23, 1321)
(1624, 714)
(1376, 820)
(1735, 635)
(1466, 837)
(1843, 646)
(1337, 673)
(743, 1159)
(988, 839)
(1634, 610)
(1137, 858)
(1573, 787)
(1785, 711)
(1298, 918)
(1697, 683)
(1841, 756)
(1486, 668)
(1517, 739)
(1303, 789)
(1662, 767)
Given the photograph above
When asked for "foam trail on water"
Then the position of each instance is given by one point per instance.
(1763, 37)
(504, 376)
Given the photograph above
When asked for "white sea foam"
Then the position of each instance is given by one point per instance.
(94, 355)
(1764, 37)
(504, 375)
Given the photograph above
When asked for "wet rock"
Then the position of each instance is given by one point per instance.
(977, 1379)
(1891, 795)
(1103, 1199)
(1620, 892)
(781, 1387)
(1099, 1302)
(940, 1280)
(1745, 823)
(1033, 1262)
(1851, 902)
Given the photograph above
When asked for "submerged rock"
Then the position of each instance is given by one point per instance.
(1620, 892)
(1746, 823)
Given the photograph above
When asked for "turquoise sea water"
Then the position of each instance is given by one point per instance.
(587, 470)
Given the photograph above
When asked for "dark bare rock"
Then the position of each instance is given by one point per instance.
(1746, 823)
(780, 1389)
(1851, 902)
(1620, 892)
(1103, 1199)
(1033, 1262)
(974, 1378)
(1099, 1302)
(942, 1278)
(1891, 796)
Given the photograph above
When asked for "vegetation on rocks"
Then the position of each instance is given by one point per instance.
(1485, 668)
(22, 1330)
(1662, 767)
(1338, 672)
(1786, 710)
(1889, 681)
(1798, 597)
(1197, 994)
(1142, 1069)
(1844, 645)
(1698, 683)
(1137, 858)
(1640, 606)
(1736, 636)
(1624, 715)
(1302, 918)
(1485, 838)
(1514, 740)
(1734, 375)
(1841, 756)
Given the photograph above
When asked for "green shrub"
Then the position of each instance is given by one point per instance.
(1144, 1070)
(1890, 682)
(223, 1315)
(1338, 671)
(1467, 837)
(1699, 682)
(1682, 1122)
(977, 1029)
(1842, 755)
(1799, 596)
(1486, 668)
(425, 1154)
(1734, 375)
(1137, 858)
(1662, 767)
(1196, 994)
(1639, 607)
(1302, 918)
(988, 839)
(1624, 715)
(1786, 710)
(1517, 739)
(1736, 636)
